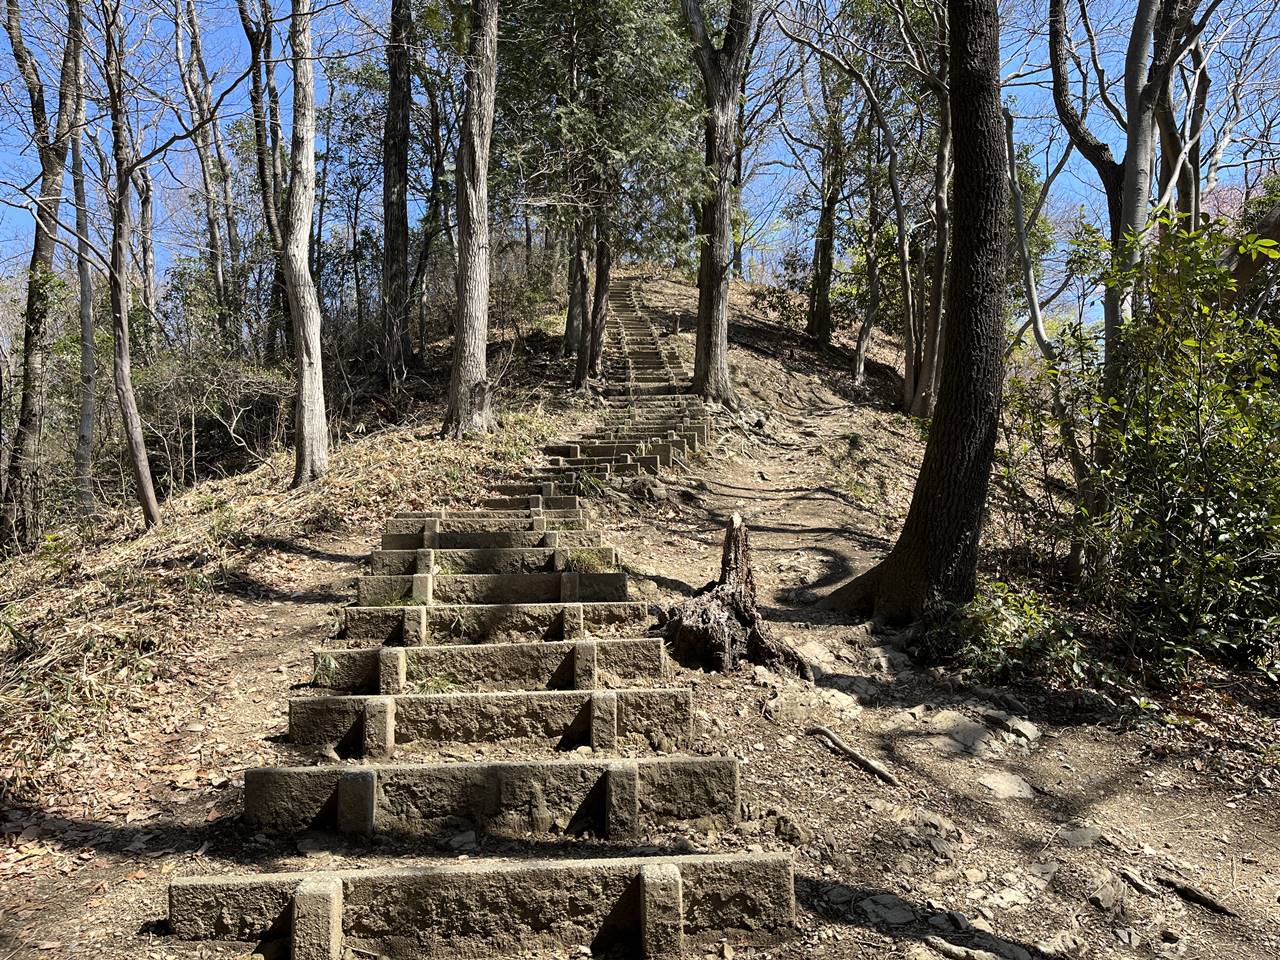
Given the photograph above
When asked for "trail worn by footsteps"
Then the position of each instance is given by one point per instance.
(505, 625)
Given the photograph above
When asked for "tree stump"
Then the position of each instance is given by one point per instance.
(720, 626)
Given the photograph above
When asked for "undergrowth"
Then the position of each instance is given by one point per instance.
(93, 615)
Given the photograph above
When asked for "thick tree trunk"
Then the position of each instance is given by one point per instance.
(88, 354)
(311, 426)
(723, 72)
(468, 412)
(20, 509)
(711, 352)
(395, 205)
(934, 563)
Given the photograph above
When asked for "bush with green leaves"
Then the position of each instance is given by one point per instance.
(1188, 534)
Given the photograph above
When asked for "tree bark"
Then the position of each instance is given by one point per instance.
(311, 426)
(124, 160)
(818, 323)
(20, 509)
(600, 304)
(468, 411)
(934, 563)
(576, 310)
(395, 205)
(722, 70)
(88, 353)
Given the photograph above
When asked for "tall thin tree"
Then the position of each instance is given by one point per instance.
(20, 509)
(311, 426)
(395, 206)
(468, 410)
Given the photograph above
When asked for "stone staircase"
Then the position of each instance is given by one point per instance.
(507, 625)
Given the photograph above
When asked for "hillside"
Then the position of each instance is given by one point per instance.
(1022, 822)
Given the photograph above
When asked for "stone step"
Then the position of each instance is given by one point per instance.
(391, 563)
(616, 799)
(491, 539)
(488, 588)
(483, 521)
(551, 665)
(648, 905)
(375, 727)
(410, 626)
(533, 501)
(525, 489)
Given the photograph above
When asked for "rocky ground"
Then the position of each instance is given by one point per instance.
(1003, 823)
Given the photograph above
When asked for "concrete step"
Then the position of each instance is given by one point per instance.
(488, 588)
(533, 501)
(653, 906)
(616, 799)
(391, 563)
(491, 539)
(552, 665)
(410, 626)
(376, 727)
(488, 521)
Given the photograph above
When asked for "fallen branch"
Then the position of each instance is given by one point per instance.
(1194, 895)
(873, 767)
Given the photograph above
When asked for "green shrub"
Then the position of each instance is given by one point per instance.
(1008, 632)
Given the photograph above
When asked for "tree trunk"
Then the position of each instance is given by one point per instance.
(818, 324)
(121, 244)
(311, 426)
(576, 311)
(468, 411)
(934, 563)
(600, 306)
(147, 255)
(20, 509)
(395, 205)
(922, 404)
(723, 72)
(720, 626)
(88, 354)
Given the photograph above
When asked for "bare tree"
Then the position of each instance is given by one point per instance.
(20, 494)
(722, 70)
(468, 410)
(934, 562)
(125, 162)
(311, 426)
(395, 206)
(84, 273)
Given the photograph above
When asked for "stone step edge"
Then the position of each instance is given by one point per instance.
(442, 589)
(551, 665)
(373, 726)
(419, 625)
(492, 909)
(613, 798)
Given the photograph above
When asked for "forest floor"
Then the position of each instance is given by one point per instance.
(1026, 822)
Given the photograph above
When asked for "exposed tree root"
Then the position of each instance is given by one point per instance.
(720, 626)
